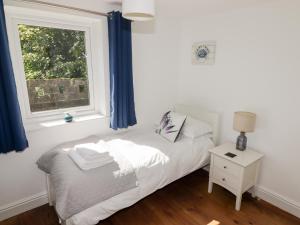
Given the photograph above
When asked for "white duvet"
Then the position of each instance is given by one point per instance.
(156, 161)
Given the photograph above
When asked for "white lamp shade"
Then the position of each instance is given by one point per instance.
(244, 121)
(138, 10)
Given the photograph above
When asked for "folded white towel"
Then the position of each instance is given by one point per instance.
(90, 156)
(93, 152)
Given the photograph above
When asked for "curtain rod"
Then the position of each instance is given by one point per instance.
(64, 7)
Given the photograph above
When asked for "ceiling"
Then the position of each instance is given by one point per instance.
(196, 8)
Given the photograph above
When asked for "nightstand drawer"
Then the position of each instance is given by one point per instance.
(227, 166)
(225, 178)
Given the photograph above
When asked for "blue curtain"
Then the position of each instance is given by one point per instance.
(122, 111)
(12, 134)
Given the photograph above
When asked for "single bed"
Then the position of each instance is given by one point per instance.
(156, 165)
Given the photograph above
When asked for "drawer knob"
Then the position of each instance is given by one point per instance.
(225, 167)
(223, 179)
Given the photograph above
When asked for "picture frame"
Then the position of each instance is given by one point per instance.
(203, 53)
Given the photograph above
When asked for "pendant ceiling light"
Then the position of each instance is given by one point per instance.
(138, 10)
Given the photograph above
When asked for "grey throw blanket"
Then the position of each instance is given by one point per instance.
(77, 190)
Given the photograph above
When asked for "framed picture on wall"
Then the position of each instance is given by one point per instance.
(204, 53)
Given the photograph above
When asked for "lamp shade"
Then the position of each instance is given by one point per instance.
(138, 10)
(244, 121)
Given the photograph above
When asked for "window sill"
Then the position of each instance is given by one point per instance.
(60, 122)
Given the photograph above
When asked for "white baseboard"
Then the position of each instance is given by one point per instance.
(23, 205)
(280, 201)
(37, 200)
(275, 199)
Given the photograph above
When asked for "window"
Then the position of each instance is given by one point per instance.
(55, 67)
(59, 62)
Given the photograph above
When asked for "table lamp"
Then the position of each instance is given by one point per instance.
(244, 122)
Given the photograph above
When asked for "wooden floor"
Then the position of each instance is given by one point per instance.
(184, 202)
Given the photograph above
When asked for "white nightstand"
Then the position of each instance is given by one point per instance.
(237, 174)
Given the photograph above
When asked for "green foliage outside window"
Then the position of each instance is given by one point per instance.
(51, 53)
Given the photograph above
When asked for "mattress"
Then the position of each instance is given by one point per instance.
(179, 159)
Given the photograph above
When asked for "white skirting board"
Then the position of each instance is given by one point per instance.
(37, 200)
(280, 201)
(23, 205)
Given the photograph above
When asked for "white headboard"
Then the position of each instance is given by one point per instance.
(199, 113)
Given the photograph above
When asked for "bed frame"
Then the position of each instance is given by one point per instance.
(196, 112)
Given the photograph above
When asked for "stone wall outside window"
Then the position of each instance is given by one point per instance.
(54, 94)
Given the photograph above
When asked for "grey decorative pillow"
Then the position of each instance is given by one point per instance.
(170, 125)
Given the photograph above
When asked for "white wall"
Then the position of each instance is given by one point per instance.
(256, 69)
(155, 60)
(155, 82)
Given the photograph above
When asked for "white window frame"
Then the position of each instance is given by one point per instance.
(96, 54)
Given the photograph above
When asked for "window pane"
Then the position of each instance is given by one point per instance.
(55, 67)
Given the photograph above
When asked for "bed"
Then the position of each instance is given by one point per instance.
(155, 168)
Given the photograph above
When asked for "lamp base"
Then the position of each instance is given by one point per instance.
(241, 142)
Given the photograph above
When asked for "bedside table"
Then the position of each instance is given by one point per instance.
(237, 174)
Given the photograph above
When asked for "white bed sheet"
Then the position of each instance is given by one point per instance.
(156, 166)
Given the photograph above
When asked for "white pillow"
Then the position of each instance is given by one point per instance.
(170, 125)
(194, 128)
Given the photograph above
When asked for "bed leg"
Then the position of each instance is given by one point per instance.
(49, 190)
